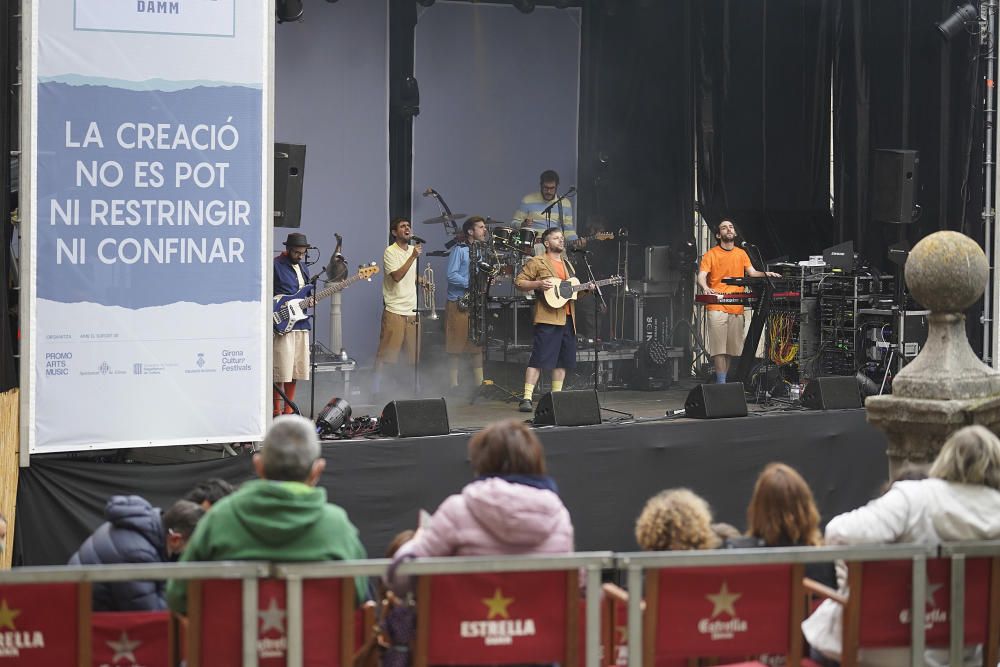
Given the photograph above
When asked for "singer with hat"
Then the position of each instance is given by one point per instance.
(399, 294)
(291, 351)
(726, 331)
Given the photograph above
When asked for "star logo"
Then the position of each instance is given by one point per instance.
(497, 605)
(272, 618)
(7, 615)
(124, 649)
(723, 601)
(931, 590)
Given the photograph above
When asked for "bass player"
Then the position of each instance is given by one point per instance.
(553, 345)
(291, 351)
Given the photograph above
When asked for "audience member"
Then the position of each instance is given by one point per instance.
(208, 492)
(136, 532)
(391, 645)
(959, 501)
(512, 507)
(282, 516)
(676, 520)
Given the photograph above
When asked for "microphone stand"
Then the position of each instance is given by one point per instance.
(312, 348)
(598, 300)
(416, 312)
(765, 302)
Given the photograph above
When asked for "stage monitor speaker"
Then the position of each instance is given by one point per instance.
(406, 419)
(893, 185)
(713, 401)
(289, 170)
(831, 393)
(568, 408)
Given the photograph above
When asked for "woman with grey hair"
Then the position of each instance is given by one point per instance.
(960, 500)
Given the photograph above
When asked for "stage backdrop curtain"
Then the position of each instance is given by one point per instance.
(763, 99)
(637, 119)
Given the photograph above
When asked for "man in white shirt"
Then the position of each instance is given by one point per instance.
(399, 293)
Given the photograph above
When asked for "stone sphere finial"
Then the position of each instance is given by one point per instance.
(947, 272)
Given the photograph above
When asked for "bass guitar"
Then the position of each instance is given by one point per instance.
(566, 290)
(290, 308)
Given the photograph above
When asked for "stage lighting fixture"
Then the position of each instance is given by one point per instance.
(524, 6)
(957, 22)
(332, 417)
(288, 10)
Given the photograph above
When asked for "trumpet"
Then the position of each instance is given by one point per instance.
(427, 290)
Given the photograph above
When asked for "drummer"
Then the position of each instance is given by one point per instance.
(529, 214)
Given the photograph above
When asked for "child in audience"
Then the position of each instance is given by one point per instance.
(674, 520)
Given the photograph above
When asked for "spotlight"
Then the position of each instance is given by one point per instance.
(333, 416)
(524, 6)
(408, 97)
(288, 10)
(956, 23)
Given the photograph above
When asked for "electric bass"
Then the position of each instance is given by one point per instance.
(290, 308)
(566, 290)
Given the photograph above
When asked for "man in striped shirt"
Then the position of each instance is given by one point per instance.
(540, 210)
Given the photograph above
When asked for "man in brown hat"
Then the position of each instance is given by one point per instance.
(291, 350)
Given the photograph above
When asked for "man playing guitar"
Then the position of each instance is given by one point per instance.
(291, 351)
(554, 342)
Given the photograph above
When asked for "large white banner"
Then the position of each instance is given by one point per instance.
(148, 302)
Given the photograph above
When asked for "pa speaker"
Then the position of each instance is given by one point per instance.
(568, 408)
(711, 401)
(405, 419)
(289, 170)
(894, 182)
(831, 393)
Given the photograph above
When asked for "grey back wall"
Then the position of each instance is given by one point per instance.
(331, 93)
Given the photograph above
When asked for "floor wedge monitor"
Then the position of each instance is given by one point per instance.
(713, 401)
(424, 416)
(568, 408)
(831, 393)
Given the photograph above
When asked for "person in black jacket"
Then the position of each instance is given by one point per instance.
(136, 532)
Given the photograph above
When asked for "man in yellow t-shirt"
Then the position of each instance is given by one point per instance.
(399, 293)
(725, 322)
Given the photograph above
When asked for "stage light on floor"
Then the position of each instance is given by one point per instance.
(333, 416)
(959, 21)
(288, 10)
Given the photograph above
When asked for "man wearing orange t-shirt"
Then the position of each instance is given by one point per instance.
(554, 341)
(725, 322)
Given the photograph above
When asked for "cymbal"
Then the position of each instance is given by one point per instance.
(443, 218)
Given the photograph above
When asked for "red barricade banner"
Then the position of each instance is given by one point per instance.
(130, 639)
(222, 637)
(38, 624)
(885, 602)
(514, 617)
(723, 611)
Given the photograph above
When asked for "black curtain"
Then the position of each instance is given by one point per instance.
(899, 85)
(763, 79)
(636, 119)
(8, 200)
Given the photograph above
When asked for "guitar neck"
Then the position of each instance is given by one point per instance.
(334, 288)
(598, 283)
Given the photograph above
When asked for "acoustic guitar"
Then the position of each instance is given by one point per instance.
(566, 290)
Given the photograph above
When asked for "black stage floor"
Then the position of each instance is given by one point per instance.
(605, 472)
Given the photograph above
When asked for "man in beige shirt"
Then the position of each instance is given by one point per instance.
(553, 345)
(399, 293)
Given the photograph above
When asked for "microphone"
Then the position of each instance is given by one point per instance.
(570, 191)
(746, 244)
(428, 192)
(414, 240)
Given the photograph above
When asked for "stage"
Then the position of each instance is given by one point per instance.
(605, 472)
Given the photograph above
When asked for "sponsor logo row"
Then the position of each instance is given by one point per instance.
(63, 364)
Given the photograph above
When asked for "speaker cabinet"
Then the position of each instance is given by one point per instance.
(568, 408)
(831, 393)
(407, 419)
(894, 184)
(713, 401)
(289, 171)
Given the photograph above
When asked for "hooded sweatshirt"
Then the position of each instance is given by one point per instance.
(133, 533)
(495, 517)
(273, 521)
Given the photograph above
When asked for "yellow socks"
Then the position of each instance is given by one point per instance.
(529, 389)
(557, 385)
(477, 373)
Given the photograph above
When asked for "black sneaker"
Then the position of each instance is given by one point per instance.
(525, 405)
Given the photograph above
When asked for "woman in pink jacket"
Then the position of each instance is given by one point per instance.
(512, 507)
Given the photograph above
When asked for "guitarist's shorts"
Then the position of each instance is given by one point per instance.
(291, 356)
(456, 331)
(554, 346)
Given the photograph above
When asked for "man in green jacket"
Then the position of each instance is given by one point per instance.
(280, 517)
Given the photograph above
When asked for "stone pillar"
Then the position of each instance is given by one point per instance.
(946, 386)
